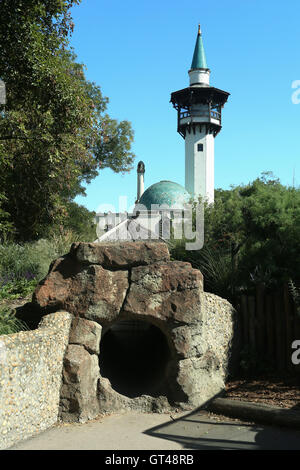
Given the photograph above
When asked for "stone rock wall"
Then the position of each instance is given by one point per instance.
(109, 287)
(31, 365)
(79, 392)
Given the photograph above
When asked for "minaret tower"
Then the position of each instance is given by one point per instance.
(199, 121)
(140, 180)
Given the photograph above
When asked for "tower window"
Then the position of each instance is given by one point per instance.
(200, 147)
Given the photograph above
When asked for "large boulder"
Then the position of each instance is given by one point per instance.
(112, 288)
(166, 291)
(89, 291)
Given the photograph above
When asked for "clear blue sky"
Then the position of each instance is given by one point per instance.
(140, 51)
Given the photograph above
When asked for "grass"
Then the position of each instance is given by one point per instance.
(9, 324)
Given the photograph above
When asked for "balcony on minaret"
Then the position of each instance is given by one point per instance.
(199, 105)
(202, 113)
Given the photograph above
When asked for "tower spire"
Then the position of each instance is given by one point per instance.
(199, 58)
(199, 72)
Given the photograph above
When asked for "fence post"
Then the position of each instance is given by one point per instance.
(261, 319)
(288, 325)
(270, 328)
(296, 333)
(245, 321)
(279, 332)
(251, 314)
(269, 325)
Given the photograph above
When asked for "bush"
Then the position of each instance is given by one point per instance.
(17, 289)
(251, 237)
(16, 263)
(22, 266)
(215, 265)
(30, 261)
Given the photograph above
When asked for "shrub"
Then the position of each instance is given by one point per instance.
(215, 265)
(16, 262)
(30, 261)
(17, 289)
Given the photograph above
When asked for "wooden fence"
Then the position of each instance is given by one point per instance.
(269, 325)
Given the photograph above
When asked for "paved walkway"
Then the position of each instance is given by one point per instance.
(191, 431)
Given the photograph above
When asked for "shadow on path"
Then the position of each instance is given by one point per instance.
(198, 430)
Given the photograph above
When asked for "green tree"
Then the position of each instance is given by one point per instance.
(271, 215)
(80, 221)
(55, 133)
(252, 236)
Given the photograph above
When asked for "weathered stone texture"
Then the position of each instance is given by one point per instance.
(198, 381)
(219, 330)
(166, 291)
(87, 333)
(30, 378)
(102, 284)
(79, 400)
(120, 255)
(111, 400)
(93, 291)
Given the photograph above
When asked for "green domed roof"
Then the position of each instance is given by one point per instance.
(165, 192)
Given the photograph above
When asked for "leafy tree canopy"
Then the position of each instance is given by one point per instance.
(55, 133)
(252, 236)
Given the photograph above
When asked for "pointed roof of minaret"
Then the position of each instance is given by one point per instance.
(199, 59)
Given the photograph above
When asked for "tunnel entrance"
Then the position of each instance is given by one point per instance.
(134, 356)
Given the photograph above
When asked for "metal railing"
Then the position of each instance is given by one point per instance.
(212, 114)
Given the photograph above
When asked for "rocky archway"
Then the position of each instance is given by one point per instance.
(144, 334)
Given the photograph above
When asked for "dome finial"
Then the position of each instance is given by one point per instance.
(199, 30)
(141, 167)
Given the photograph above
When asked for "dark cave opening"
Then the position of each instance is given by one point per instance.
(134, 356)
